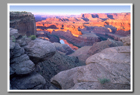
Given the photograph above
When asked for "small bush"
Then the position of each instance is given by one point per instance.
(104, 80)
(33, 37)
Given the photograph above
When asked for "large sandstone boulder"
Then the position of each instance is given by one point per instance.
(109, 69)
(125, 40)
(118, 55)
(81, 53)
(39, 50)
(31, 81)
(98, 46)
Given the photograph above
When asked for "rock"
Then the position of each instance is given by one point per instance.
(21, 65)
(125, 40)
(12, 45)
(24, 22)
(97, 86)
(39, 50)
(98, 46)
(81, 53)
(109, 69)
(23, 41)
(16, 51)
(119, 54)
(14, 33)
(63, 48)
(31, 81)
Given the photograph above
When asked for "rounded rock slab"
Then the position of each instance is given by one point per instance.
(39, 50)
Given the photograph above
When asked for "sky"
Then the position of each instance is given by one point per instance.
(70, 9)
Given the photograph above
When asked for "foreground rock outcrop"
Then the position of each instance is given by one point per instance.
(24, 55)
(108, 69)
(34, 62)
(24, 22)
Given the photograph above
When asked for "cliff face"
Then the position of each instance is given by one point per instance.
(24, 22)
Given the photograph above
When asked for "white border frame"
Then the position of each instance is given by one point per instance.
(8, 50)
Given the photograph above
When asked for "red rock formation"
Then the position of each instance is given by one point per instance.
(87, 15)
(119, 20)
(102, 15)
(120, 24)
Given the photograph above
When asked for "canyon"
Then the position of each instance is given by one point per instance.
(86, 29)
(87, 51)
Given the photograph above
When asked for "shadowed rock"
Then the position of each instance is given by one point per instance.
(21, 65)
(31, 81)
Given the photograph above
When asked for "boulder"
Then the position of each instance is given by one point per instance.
(30, 81)
(118, 55)
(16, 50)
(98, 46)
(109, 69)
(38, 50)
(125, 40)
(81, 53)
(21, 65)
(14, 33)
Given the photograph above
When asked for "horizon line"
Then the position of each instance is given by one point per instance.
(71, 14)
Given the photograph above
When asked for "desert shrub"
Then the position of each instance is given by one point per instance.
(104, 80)
(33, 37)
